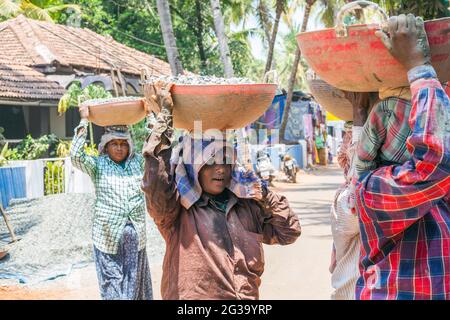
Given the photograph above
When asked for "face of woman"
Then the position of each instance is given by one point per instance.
(215, 178)
(118, 150)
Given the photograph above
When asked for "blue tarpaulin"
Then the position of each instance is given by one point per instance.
(12, 184)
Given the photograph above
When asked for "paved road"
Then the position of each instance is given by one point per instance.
(300, 270)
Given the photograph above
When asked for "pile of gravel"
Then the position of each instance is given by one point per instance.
(55, 233)
(98, 102)
(204, 80)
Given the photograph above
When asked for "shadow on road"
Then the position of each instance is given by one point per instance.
(312, 212)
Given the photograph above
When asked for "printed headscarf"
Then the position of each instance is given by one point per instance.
(192, 154)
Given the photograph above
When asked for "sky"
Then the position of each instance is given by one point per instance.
(256, 43)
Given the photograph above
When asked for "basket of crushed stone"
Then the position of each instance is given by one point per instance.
(353, 58)
(214, 103)
(116, 111)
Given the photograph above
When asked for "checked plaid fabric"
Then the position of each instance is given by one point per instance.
(119, 197)
(385, 132)
(404, 211)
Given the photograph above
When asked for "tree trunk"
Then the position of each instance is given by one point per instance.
(199, 33)
(264, 16)
(293, 77)
(273, 38)
(222, 38)
(169, 37)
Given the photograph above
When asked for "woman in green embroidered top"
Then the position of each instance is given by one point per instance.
(119, 220)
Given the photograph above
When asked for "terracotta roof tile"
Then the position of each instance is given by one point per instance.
(21, 82)
(33, 43)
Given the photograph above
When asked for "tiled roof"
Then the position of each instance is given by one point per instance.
(35, 43)
(20, 82)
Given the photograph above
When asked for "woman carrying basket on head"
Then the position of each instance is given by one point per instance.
(119, 220)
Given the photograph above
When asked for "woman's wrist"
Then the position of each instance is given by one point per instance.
(425, 71)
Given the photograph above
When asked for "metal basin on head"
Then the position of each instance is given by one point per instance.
(117, 112)
(352, 58)
(331, 99)
(216, 106)
(222, 107)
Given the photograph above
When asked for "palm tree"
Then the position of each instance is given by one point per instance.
(34, 9)
(264, 18)
(169, 37)
(219, 27)
(428, 9)
(194, 19)
(309, 4)
(199, 33)
(280, 7)
(237, 11)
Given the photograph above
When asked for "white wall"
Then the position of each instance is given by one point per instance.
(75, 180)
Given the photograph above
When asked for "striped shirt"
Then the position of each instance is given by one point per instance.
(119, 197)
(404, 211)
(345, 227)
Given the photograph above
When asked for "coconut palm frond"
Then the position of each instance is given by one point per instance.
(34, 12)
(244, 34)
(9, 8)
(264, 18)
(56, 9)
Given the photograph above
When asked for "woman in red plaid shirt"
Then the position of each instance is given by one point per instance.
(404, 210)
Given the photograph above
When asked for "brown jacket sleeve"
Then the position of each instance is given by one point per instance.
(280, 224)
(161, 195)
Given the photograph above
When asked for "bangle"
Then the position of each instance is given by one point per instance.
(421, 72)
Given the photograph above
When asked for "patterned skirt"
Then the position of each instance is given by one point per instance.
(125, 275)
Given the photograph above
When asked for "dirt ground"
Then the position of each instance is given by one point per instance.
(297, 271)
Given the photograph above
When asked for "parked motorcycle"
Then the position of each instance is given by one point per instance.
(289, 167)
(264, 167)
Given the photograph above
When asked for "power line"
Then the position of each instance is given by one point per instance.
(138, 39)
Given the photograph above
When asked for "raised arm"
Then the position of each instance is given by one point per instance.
(79, 158)
(279, 223)
(163, 203)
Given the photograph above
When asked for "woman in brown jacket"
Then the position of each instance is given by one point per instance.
(213, 216)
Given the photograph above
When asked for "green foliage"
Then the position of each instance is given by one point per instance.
(11, 154)
(75, 95)
(139, 133)
(54, 177)
(135, 23)
(91, 150)
(46, 10)
(63, 149)
(32, 149)
(428, 9)
(3, 155)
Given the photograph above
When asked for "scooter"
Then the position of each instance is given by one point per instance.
(289, 167)
(264, 168)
